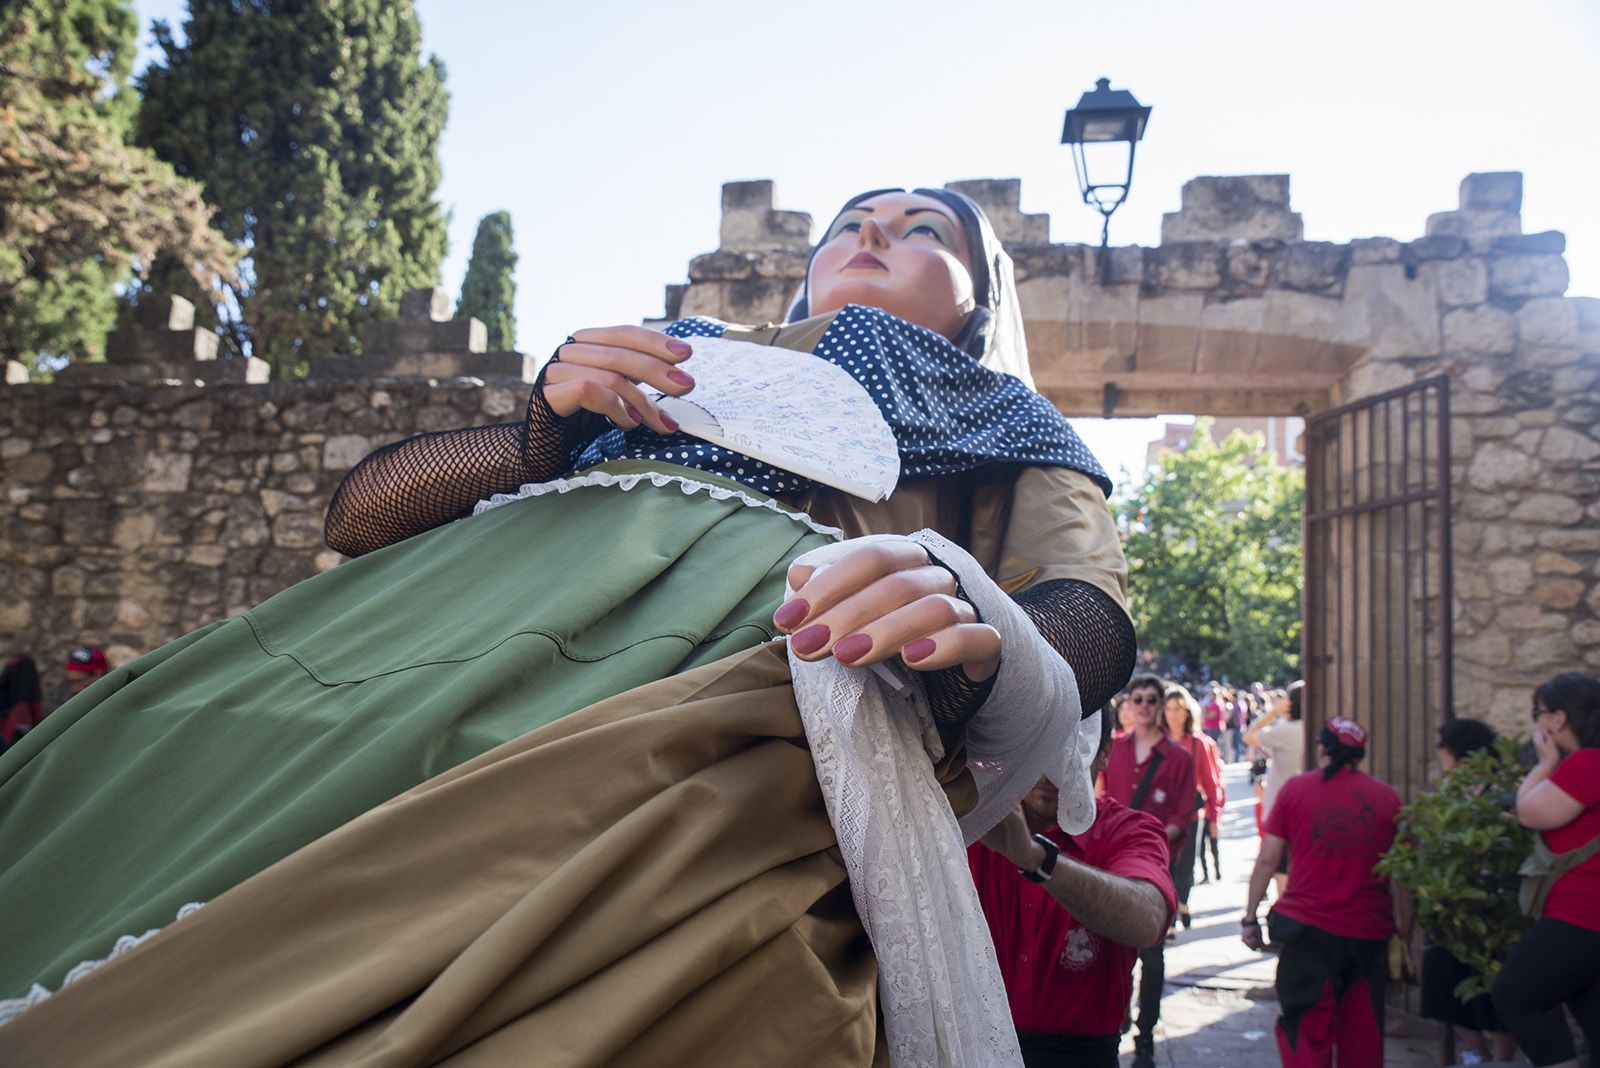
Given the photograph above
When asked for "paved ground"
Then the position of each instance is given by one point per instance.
(1219, 1007)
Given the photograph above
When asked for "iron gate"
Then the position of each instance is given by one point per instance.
(1377, 602)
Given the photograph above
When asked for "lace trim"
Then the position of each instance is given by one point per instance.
(11, 1008)
(658, 479)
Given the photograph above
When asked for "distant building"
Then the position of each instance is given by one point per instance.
(1282, 434)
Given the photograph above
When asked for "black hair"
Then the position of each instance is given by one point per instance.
(1578, 695)
(1147, 682)
(1294, 691)
(1339, 754)
(974, 336)
(1463, 737)
(1108, 721)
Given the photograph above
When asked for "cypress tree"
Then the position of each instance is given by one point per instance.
(489, 290)
(314, 127)
(79, 206)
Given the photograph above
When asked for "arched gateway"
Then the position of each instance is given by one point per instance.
(1453, 401)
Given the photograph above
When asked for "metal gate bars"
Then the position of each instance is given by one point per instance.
(1377, 601)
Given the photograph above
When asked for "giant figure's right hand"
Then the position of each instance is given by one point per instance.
(600, 370)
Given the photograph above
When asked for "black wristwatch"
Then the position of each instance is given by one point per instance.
(1047, 865)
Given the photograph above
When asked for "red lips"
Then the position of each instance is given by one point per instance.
(865, 259)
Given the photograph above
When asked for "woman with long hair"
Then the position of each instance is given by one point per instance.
(1557, 961)
(1182, 718)
(531, 778)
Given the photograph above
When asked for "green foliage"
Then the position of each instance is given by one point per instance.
(79, 206)
(489, 289)
(1457, 850)
(314, 127)
(1212, 536)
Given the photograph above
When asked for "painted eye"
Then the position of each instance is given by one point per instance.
(924, 228)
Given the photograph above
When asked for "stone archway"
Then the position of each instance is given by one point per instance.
(1235, 314)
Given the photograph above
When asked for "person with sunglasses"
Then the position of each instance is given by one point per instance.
(1149, 772)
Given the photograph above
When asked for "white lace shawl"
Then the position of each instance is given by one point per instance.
(939, 982)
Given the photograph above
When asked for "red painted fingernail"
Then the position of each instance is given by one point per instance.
(791, 613)
(633, 413)
(680, 378)
(920, 649)
(679, 348)
(852, 647)
(810, 640)
(668, 422)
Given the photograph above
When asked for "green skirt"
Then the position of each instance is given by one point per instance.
(198, 765)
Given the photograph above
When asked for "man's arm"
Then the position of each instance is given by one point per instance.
(1130, 911)
(1266, 863)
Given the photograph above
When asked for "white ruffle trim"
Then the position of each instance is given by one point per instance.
(10, 1008)
(655, 478)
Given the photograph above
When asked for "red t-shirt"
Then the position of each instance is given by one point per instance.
(1576, 896)
(1170, 798)
(1337, 830)
(1062, 978)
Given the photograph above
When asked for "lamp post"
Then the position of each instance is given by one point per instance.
(1106, 116)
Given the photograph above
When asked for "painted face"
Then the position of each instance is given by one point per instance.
(901, 252)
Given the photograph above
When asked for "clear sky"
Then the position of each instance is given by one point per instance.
(607, 127)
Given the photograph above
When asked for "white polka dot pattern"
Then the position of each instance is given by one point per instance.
(948, 412)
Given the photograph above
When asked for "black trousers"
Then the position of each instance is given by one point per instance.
(1554, 962)
(1068, 1051)
(1153, 961)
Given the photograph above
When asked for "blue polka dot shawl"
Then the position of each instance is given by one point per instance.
(948, 413)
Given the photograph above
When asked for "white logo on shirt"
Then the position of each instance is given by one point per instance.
(1159, 795)
(1081, 949)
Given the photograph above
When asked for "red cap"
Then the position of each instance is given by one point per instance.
(87, 660)
(1348, 731)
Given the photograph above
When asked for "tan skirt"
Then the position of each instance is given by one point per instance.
(651, 880)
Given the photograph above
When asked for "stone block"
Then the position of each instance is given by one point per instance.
(672, 304)
(782, 263)
(1440, 247)
(749, 221)
(1251, 207)
(1548, 321)
(1314, 266)
(704, 298)
(430, 304)
(1549, 242)
(1184, 265)
(1168, 336)
(721, 267)
(1248, 266)
(1544, 650)
(489, 366)
(167, 472)
(1528, 276)
(1497, 467)
(1492, 191)
(249, 371)
(164, 311)
(1389, 314)
(1001, 200)
(343, 451)
(1548, 508)
(1561, 594)
(758, 300)
(1556, 564)
(417, 336)
(1369, 250)
(1473, 224)
(139, 345)
(1585, 633)
(1461, 283)
(1483, 329)
(1510, 578)
(1561, 445)
(297, 530)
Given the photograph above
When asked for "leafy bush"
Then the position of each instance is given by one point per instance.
(1457, 850)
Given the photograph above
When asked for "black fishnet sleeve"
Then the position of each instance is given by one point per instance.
(1090, 631)
(428, 480)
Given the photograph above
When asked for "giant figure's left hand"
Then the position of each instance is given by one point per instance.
(882, 600)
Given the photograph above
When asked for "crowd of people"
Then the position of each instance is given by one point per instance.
(22, 697)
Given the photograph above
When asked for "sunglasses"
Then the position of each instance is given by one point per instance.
(1145, 700)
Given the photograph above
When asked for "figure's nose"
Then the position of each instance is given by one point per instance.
(871, 235)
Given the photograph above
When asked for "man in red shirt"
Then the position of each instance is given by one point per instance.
(1333, 923)
(1067, 943)
(1147, 771)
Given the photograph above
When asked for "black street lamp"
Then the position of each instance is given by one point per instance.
(1106, 116)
